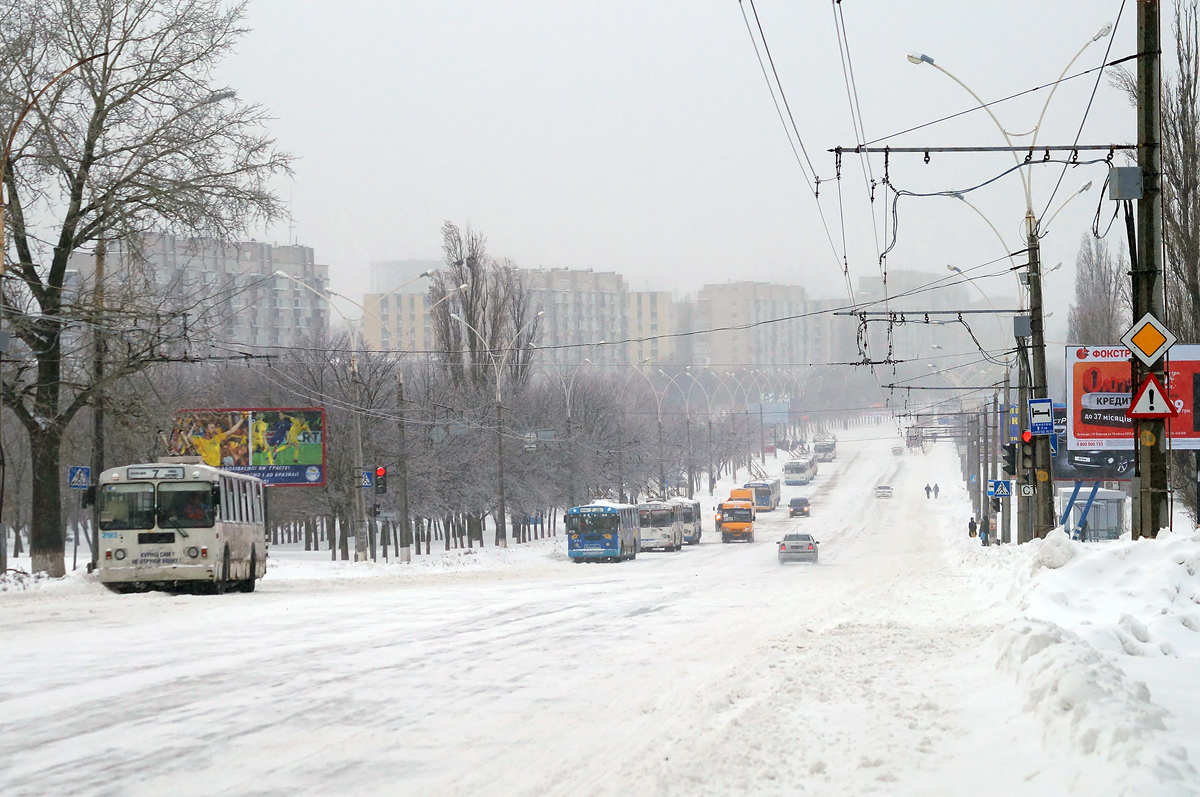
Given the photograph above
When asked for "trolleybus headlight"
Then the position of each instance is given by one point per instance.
(119, 554)
(193, 552)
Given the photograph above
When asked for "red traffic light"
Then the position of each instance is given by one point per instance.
(1026, 436)
(381, 471)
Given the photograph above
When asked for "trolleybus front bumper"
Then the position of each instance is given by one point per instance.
(113, 574)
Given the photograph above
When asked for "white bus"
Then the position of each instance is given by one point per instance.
(800, 471)
(661, 526)
(180, 523)
(689, 515)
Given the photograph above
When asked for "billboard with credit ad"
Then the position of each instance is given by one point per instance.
(1099, 390)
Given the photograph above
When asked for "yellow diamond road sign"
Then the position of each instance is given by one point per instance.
(1148, 339)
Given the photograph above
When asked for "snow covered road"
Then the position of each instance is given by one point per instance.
(709, 671)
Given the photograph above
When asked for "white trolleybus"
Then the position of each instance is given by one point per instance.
(602, 531)
(689, 515)
(178, 524)
(800, 471)
(661, 526)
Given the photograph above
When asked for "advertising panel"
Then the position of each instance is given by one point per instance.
(282, 446)
(773, 412)
(1072, 464)
(1099, 390)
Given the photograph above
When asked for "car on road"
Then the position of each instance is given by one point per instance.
(798, 507)
(798, 547)
(883, 491)
(898, 451)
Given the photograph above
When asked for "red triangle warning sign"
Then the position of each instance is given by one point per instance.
(1151, 401)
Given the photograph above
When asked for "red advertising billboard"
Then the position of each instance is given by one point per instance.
(1099, 391)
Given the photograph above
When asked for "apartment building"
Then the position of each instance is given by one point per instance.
(396, 317)
(244, 299)
(730, 314)
(582, 308)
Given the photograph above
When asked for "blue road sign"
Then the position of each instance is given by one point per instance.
(999, 488)
(79, 477)
(368, 479)
(1041, 416)
(1054, 445)
(973, 478)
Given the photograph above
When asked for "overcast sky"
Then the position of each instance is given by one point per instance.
(641, 137)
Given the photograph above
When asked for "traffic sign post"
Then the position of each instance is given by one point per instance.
(79, 477)
(1041, 416)
(1149, 339)
(1151, 401)
(999, 488)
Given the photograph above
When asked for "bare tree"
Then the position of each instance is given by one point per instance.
(1100, 313)
(138, 138)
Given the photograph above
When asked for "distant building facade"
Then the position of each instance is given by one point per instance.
(247, 302)
(727, 319)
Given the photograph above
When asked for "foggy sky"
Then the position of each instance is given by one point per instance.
(640, 136)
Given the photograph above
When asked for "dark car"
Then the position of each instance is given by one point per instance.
(798, 507)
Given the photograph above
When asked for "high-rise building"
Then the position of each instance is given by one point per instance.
(239, 296)
(390, 275)
(652, 314)
(732, 316)
(397, 321)
(582, 308)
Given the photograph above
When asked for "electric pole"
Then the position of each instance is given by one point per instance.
(404, 554)
(1151, 510)
(1043, 483)
(360, 504)
(1024, 532)
(98, 399)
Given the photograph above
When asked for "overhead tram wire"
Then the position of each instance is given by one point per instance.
(810, 182)
(1088, 110)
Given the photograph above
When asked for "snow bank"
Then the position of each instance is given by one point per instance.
(1101, 638)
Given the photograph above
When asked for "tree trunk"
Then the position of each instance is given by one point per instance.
(46, 530)
(344, 538)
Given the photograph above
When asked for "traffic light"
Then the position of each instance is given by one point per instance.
(380, 480)
(1010, 459)
(1026, 453)
(377, 510)
(996, 505)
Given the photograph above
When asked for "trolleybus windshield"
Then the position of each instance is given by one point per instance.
(126, 506)
(585, 524)
(185, 505)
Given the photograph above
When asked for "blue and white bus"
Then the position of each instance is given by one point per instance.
(800, 471)
(602, 531)
(689, 515)
(767, 494)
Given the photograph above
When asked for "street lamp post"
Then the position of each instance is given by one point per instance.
(1043, 521)
(501, 509)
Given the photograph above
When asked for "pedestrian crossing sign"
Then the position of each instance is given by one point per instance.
(368, 479)
(999, 488)
(79, 477)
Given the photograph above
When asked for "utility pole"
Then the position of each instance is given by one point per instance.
(712, 474)
(98, 399)
(404, 552)
(762, 433)
(984, 428)
(1024, 505)
(1152, 511)
(691, 469)
(1043, 483)
(620, 462)
(501, 510)
(662, 472)
(1001, 440)
(360, 503)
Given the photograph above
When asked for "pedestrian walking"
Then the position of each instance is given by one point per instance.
(935, 490)
(971, 527)
(983, 531)
(928, 490)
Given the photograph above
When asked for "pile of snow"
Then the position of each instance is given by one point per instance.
(1056, 550)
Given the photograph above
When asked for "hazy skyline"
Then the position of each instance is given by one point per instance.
(641, 138)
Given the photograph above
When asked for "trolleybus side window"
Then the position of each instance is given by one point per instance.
(186, 505)
(126, 506)
(225, 503)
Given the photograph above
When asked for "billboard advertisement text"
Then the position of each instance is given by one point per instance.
(1099, 389)
(282, 446)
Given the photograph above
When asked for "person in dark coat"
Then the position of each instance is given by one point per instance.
(928, 490)
(972, 526)
(935, 491)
